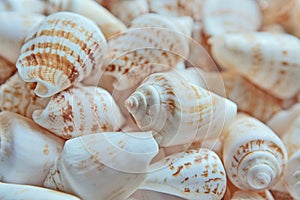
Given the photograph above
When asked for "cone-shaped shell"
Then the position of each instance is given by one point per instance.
(254, 157)
(64, 49)
(21, 192)
(104, 165)
(178, 110)
(18, 96)
(269, 60)
(27, 151)
(194, 174)
(80, 111)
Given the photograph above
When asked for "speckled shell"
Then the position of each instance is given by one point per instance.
(269, 60)
(18, 96)
(254, 156)
(80, 111)
(152, 44)
(27, 151)
(121, 158)
(64, 49)
(194, 174)
(21, 192)
(228, 16)
(178, 110)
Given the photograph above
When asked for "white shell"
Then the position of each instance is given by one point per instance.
(194, 174)
(27, 150)
(104, 165)
(18, 96)
(254, 157)
(269, 60)
(22, 192)
(80, 111)
(178, 110)
(64, 49)
(151, 195)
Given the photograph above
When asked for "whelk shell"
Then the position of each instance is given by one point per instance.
(64, 49)
(80, 111)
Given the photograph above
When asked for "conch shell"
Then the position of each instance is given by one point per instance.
(194, 174)
(64, 49)
(254, 156)
(178, 110)
(121, 158)
(21, 192)
(80, 111)
(27, 150)
(269, 60)
(18, 96)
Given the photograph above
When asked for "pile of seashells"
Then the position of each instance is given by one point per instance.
(149, 99)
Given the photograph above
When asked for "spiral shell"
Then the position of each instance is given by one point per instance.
(178, 110)
(80, 111)
(19, 161)
(194, 174)
(18, 96)
(254, 157)
(121, 158)
(64, 49)
(269, 60)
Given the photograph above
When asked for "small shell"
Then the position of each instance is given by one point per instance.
(22, 192)
(269, 60)
(18, 96)
(121, 158)
(254, 157)
(80, 111)
(194, 174)
(227, 16)
(63, 50)
(178, 110)
(27, 151)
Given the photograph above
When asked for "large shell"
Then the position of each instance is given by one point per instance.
(194, 174)
(269, 60)
(225, 16)
(152, 44)
(22, 192)
(18, 96)
(64, 49)
(27, 151)
(254, 157)
(178, 110)
(80, 111)
(103, 166)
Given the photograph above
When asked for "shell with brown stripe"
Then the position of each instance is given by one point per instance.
(64, 49)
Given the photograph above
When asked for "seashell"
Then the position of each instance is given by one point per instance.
(229, 16)
(20, 162)
(254, 157)
(268, 60)
(152, 44)
(80, 111)
(178, 110)
(246, 195)
(21, 192)
(6, 69)
(122, 158)
(273, 28)
(25, 6)
(150, 195)
(64, 49)
(18, 96)
(194, 174)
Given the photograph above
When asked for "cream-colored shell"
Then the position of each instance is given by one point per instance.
(194, 174)
(22, 192)
(246, 195)
(107, 165)
(27, 151)
(291, 137)
(254, 156)
(178, 110)
(80, 111)
(64, 49)
(269, 60)
(18, 96)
